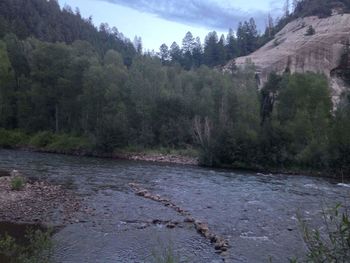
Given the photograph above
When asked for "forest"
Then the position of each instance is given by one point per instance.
(93, 84)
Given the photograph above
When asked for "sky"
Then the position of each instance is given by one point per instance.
(165, 21)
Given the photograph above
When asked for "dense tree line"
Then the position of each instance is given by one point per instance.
(217, 51)
(73, 89)
(321, 8)
(90, 88)
(44, 20)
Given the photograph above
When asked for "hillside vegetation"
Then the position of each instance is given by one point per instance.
(89, 90)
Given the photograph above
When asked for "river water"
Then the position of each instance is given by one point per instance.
(256, 213)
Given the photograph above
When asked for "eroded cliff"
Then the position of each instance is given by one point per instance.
(294, 50)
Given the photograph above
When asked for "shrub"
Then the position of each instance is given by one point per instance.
(42, 139)
(68, 143)
(17, 183)
(11, 139)
(310, 31)
(333, 244)
(37, 248)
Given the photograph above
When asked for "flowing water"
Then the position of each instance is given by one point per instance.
(256, 213)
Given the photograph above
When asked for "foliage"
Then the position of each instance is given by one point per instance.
(332, 244)
(17, 183)
(310, 31)
(82, 96)
(47, 22)
(340, 139)
(41, 139)
(9, 139)
(319, 8)
(38, 248)
(64, 143)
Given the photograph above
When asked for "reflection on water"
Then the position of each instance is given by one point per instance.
(256, 213)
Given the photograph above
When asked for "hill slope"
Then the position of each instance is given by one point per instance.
(46, 21)
(292, 49)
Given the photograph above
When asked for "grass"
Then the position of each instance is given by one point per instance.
(17, 183)
(165, 254)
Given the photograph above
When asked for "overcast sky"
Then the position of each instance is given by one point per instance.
(165, 21)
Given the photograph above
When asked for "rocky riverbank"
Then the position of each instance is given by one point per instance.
(36, 202)
(158, 158)
(132, 156)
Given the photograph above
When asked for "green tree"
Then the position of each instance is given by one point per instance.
(164, 54)
(175, 53)
(211, 52)
(7, 90)
(304, 111)
(51, 86)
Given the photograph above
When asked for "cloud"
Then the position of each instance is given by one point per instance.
(204, 13)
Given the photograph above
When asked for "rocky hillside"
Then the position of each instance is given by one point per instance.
(292, 48)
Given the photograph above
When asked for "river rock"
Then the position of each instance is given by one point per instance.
(189, 219)
(201, 227)
(141, 192)
(170, 225)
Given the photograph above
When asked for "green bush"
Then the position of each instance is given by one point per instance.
(332, 243)
(67, 143)
(37, 248)
(310, 31)
(17, 183)
(41, 139)
(11, 139)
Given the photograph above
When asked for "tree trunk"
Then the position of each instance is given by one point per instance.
(56, 117)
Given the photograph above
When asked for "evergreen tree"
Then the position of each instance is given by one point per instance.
(164, 54)
(211, 53)
(231, 46)
(197, 53)
(175, 53)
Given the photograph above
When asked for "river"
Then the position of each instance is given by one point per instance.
(255, 213)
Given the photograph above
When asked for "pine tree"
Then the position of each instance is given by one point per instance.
(164, 53)
(286, 8)
(175, 53)
(138, 44)
(188, 43)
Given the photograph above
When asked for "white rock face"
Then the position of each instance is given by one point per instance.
(319, 53)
